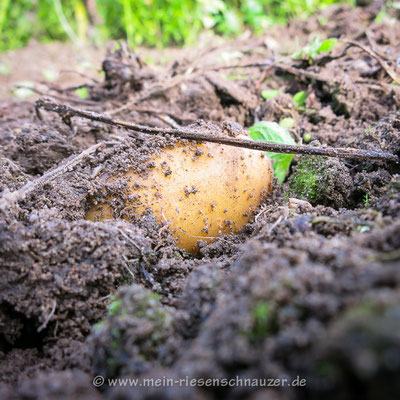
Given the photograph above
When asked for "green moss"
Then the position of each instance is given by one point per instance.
(307, 180)
(120, 343)
(325, 369)
(99, 325)
(116, 333)
(114, 345)
(264, 322)
(112, 363)
(114, 306)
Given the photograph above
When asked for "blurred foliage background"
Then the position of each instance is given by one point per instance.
(142, 22)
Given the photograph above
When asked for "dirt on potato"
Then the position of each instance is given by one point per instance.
(309, 289)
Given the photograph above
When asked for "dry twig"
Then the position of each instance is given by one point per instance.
(153, 91)
(155, 112)
(68, 112)
(10, 198)
(89, 103)
(375, 55)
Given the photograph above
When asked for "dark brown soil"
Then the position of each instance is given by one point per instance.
(309, 288)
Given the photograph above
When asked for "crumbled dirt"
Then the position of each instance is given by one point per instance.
(310, 288)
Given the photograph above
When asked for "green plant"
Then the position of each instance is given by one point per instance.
(3, 9)
(5, 69)
(15, 28)
(254, 15)
(24, 89)
(305, 183)
(128, 19)
(363, 228)
(116, 343)
(269, 94)
(235, 77)
(264, 322)
(82, 92)
(221, 16)
(54, 21)
(320, 180)
(81, 19)
(287, 123)
(271, 132)
(300, 99)
(366, 199)
(311, 51)
(150, 22)
(114, 306)
(387, 10)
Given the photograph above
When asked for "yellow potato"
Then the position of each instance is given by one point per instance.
(200, 190)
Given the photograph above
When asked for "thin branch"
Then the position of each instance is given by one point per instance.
(81, 74)
(67, 111)
(303, 73)
(269, 63)
(67, 89)
(222, 67)
(168, 120)
(58, 97)
(375, 55)
(10, 198)
(153, 111)
(154, 91)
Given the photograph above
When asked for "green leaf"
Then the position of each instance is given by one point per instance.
(312, 50)
(114, 306)
(281, 165)
(232, 21)
(271, 132)
(287, 123)
(300, 98)
(381, 15)
(149, 60)
(269, 94)
(235, 77)
(82, 92)
(230, 55)
(327, 45)
(5, 69)
(50, 74)
(314, 46)
(24, 89)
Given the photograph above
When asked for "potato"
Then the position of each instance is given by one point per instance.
(200, 190)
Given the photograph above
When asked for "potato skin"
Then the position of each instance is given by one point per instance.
(201, 190)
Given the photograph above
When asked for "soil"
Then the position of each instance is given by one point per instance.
(310, 288)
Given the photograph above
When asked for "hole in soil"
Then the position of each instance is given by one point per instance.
(27, 337)
(358, 196)
(225, 99)
(324, 95)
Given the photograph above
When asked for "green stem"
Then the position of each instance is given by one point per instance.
(3, 11)
(128, 18)
(64, 23)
